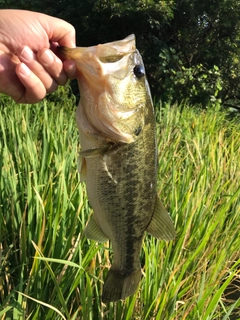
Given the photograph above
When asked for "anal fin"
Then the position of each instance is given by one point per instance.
(161, 225)
(94, 232)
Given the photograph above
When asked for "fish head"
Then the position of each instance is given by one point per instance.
(113, 88)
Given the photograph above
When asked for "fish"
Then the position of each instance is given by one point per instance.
(118, 158)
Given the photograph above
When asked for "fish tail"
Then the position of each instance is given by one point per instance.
(119, 285)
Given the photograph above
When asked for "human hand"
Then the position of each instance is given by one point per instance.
(29, 68)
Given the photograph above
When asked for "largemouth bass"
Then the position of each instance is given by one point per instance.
(116, 123)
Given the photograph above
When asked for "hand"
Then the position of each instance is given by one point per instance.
(29, 68)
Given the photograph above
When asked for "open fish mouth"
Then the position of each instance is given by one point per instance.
(101, 59)
(107, 77)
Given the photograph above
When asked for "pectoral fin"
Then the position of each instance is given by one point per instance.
(93, 152)
(82, 167)
(161, 225)
(94, 232)
(99, 151)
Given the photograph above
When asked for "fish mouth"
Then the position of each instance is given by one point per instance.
(101, 60)
(100, 71)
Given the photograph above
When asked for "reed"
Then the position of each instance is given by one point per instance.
(49, 270)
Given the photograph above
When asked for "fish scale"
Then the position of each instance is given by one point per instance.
(116, 123)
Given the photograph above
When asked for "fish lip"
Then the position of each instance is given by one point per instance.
(103, 59)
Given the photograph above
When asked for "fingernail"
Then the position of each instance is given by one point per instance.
(24, 70)
(27, 54)
(47, 58)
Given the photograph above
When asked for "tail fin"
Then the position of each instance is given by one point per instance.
(118, 286)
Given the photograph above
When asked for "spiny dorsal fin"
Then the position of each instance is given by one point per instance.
(161, 225)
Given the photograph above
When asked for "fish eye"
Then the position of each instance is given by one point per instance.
(139, 71)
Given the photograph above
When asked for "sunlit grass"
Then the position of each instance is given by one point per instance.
(49, 270)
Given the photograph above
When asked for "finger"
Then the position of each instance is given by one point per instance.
(29, 58)
(60, 31)
(70, 69)
(53, 65)
(9, 81)
(34, 91)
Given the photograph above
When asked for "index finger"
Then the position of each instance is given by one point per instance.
(59, 31)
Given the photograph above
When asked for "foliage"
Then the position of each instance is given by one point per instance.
(190, 48)
(48, 270)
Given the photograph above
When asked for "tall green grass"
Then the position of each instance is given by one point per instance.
(49, 270)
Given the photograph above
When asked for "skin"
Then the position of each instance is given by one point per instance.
(29, 67)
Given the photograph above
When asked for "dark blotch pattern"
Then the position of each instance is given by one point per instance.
(128, 194)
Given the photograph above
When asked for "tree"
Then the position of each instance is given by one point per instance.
(190, 47)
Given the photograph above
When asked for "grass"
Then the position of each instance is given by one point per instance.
(48, 270)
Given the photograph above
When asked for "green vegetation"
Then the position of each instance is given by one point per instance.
(48, 270)
(190, 48)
